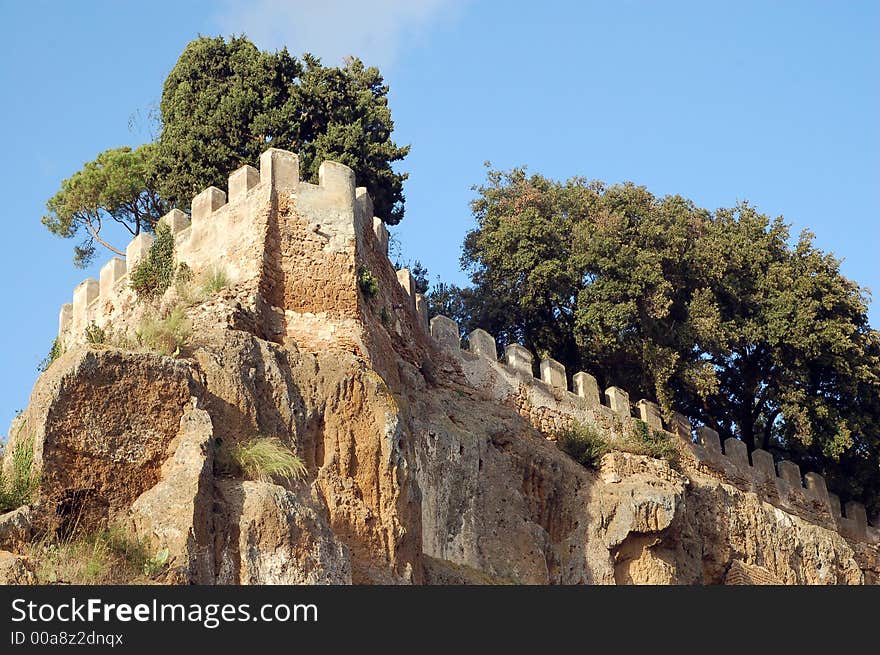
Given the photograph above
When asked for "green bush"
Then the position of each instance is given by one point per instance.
(266, 458)
(95, 335)
(55, 352)
(152, 276)
(367, 282)
(654, 443)
(22, 483)
(184, 274)
(166, 336)
(584, 443)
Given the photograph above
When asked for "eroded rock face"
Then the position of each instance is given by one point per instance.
(411, 478)
(498, 499)
(15, 527)
(15, 569)
(721, 524)
(422, 461)
(177, 512)
(271, 535)
(344, 422)
(103, 422)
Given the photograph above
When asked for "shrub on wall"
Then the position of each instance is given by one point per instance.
(55, 352)
(95, 335)
(155, 273)
(583, 443)
(654, 443)
(367, 282)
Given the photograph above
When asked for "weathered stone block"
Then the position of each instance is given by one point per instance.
(483, 344)
(241, 181)
(791, 473)
(16, 569)
(618, 401)
(650, 413)
(422, 310)
(84, 295)
(137, 249)
(762, 461)
(405, 279)
(709, 439)
(206, 203)
(681, 425)
(381, 233)
(445, 331)
(280, 169)
(338, 179)
(110, 273)
(364, 204)
(176, 512)
(65, 316)
(176, 221)
(856, 512)
(15, 528)
(586, 387)
(816, 487)
(737, 452)
(518, 358)
(834, 505)
(553, 373)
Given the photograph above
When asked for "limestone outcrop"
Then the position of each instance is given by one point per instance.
(15, 569)
(424, 463)
(272, 535)
(15, 527)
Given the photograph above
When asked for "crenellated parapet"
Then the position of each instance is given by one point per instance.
(298, 244)
(550, 401)
(313, 260)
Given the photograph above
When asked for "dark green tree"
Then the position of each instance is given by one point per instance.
(717, 314)
(223, 104)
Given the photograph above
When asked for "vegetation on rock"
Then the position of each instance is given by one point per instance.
(367, 282)
(167, 335)
(55, 351)
(719, 315)
(95, 335)
(108, 557)
(152, 276)
(214, 281)
(585, 444)
(18, 487)
(265, 459)
(654, 443)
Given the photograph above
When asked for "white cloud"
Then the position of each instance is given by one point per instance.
(374, 30)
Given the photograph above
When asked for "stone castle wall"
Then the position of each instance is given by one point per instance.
(300, 250)
(549, 404)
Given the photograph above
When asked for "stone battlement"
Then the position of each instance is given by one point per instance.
(549, 404)
(299, 250)
(239, 231)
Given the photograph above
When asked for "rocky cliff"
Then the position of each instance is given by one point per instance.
(424, 464)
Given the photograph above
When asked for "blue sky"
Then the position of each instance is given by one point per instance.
(777, 103)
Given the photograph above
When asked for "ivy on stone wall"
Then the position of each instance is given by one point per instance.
(155, 273)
